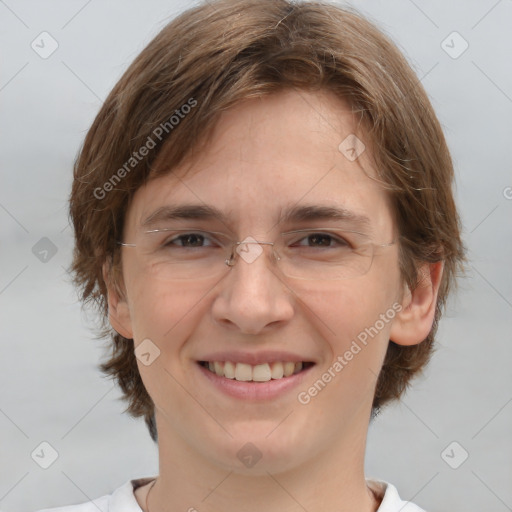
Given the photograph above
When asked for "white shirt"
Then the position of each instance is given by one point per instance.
(123, 499)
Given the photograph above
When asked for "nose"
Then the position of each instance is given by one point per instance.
(253, 295)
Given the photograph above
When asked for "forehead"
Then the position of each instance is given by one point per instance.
(271, 154)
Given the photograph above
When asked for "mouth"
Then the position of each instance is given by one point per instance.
(260, 373)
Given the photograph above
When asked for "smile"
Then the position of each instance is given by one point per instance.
(265, 372)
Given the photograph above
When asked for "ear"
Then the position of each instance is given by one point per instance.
(118, 310)
(414, 322)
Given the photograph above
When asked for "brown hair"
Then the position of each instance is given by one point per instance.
(220, 53)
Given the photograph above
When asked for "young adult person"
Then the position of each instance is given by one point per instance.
(264, 217)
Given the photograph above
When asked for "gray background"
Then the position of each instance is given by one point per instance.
(50, 388)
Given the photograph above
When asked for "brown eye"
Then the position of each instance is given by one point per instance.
(324, 240)
(193, 240)
(188, 240)
(320, 239)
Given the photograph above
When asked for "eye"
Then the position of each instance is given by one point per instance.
(324, 240)
(188, 240)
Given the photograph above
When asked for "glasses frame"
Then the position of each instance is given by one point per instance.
(231, 261)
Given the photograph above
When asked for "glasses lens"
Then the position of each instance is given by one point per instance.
(324, 255)
(178, 254)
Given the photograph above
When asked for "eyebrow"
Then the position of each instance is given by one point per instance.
(295, 214)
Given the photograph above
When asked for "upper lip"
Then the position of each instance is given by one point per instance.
(270, 356)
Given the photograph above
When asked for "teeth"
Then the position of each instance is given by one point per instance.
(219, 369)
(259, 373)
(277, 371)
(243, 372)
(229, 370)
(288, 369)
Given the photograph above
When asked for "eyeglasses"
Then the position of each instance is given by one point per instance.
(315, 254)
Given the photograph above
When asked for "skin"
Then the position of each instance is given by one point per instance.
(266, 154)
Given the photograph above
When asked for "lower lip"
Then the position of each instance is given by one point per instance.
(255, 390)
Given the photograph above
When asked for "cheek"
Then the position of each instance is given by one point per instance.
(354, 319)
(161, 311)
(347, 309)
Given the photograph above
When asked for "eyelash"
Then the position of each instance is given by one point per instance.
(333, 238)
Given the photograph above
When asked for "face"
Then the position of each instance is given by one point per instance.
(266, 156)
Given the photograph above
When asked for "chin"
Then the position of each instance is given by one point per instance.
(259, 453)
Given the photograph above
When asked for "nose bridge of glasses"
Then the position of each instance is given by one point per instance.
(249, 250)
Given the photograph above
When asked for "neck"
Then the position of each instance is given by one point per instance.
(332, 480)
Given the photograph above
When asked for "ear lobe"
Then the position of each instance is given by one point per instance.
(118, 310)
(414, 322)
